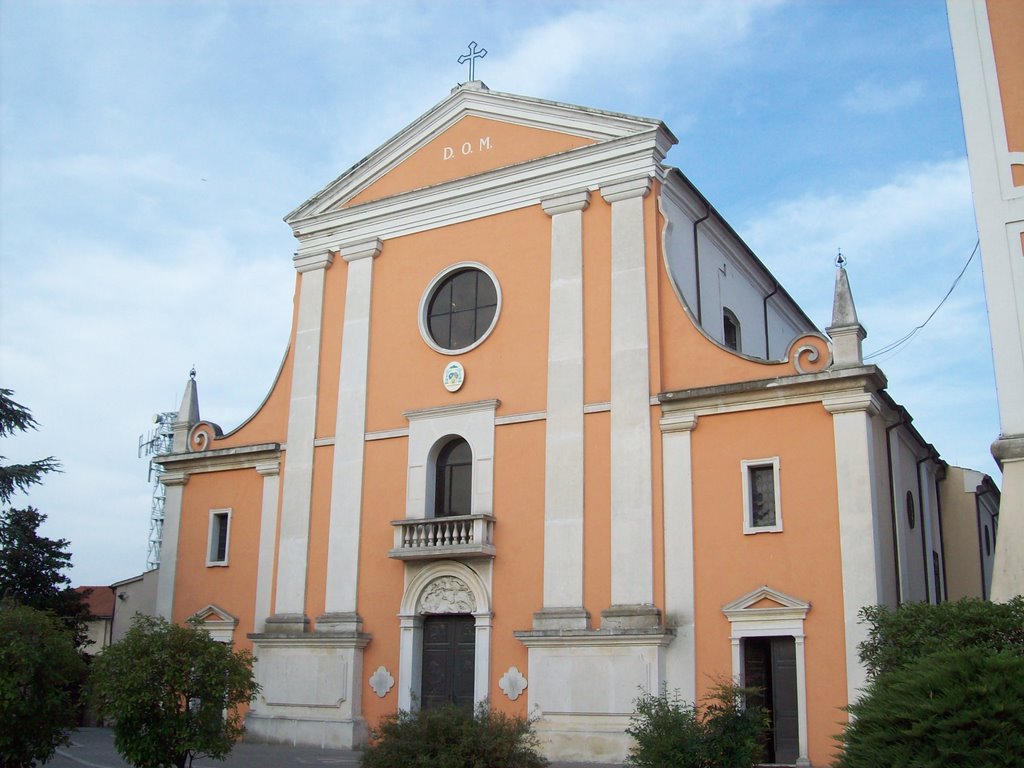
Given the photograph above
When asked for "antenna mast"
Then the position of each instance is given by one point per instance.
(156, 444)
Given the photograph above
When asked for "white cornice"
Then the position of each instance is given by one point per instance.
(625, 190)
(497, 191)
(256, 457)
(310, 260)
(452, 410)
(503, 107)
(574, 201)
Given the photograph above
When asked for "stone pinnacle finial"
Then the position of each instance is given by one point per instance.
(845, 331)
(188, 414)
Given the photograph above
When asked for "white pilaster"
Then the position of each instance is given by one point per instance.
(631, 526)
(563, 486)
(999, 210)
(270, 471)
(293, 548)
(677, 481)
(350, 429)
(173, 484)
(858, 521)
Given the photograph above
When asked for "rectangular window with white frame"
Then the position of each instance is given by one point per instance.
(219, 537)
(762, 504)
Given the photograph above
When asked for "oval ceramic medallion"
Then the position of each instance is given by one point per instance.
(454, 376)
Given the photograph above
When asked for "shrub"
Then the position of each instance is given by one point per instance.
(174, 693)
(720, 733)
(953, 708)
(450, 737)
(902, 636)
(39, 673)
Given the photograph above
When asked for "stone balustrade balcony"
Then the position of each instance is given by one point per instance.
(437, 538)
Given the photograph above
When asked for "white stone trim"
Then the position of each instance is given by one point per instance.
(428, 428)
(349, 434)
(421, 315)
(563, 441)
(859, 536)
(503, 107)
(748, 524)
(309, 262)
(520, 418)
(210, 534)
(632, 569)
(293, 540)
(597, 408)
(505, 189)
(680, 592)
(411, 629)
(787, 620)
(221, 628)
(387, 434)
(270, 471)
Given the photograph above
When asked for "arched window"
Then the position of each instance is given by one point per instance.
(911, 512)
(453, 479)
(730, 329)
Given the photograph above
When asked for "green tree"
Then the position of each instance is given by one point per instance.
(946, 686)
(952, 708)
(901, 636)
(39, 670)
(452, 737)
(15, 417)
(717, 733)
(32, 566)
(173, 693)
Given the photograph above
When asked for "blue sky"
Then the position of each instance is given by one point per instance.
(148, 151)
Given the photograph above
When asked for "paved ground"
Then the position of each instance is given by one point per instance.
(94, 748)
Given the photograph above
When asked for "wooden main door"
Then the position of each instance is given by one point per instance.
(449, 652)
(769, 663)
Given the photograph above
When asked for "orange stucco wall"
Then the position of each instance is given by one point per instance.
(232, 588)
(1006, 20)
(470, 146)
(381, 584)
(803, 560)
(405, 374)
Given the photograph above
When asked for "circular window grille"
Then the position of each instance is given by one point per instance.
(460, 308)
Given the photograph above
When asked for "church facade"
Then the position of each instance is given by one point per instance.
(547, 434)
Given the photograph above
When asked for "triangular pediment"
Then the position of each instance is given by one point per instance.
(473, 131)
(765, 600)
(214, 616)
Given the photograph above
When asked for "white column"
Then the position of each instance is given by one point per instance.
(270, 471)
(632, 569)
(349, 440)
(677, 480)
(801, 701)
(482, 657)
(563, 462)
(173, 484)
(999, 210)
(410, 657)
(293, 547)
(858, 521)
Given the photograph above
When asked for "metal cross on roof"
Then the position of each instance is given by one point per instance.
(474, 53)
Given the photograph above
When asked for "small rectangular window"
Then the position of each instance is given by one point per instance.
(219, 538)
(762, 509)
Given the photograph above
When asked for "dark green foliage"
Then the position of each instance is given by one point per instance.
(904, 635)
(720, 733)
(39, 669)
(15, 417)
(449, 737)
(173, 693)
(947, 709)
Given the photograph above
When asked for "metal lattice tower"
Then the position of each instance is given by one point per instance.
(156, 444)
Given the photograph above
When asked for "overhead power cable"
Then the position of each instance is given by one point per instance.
(898, 345)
